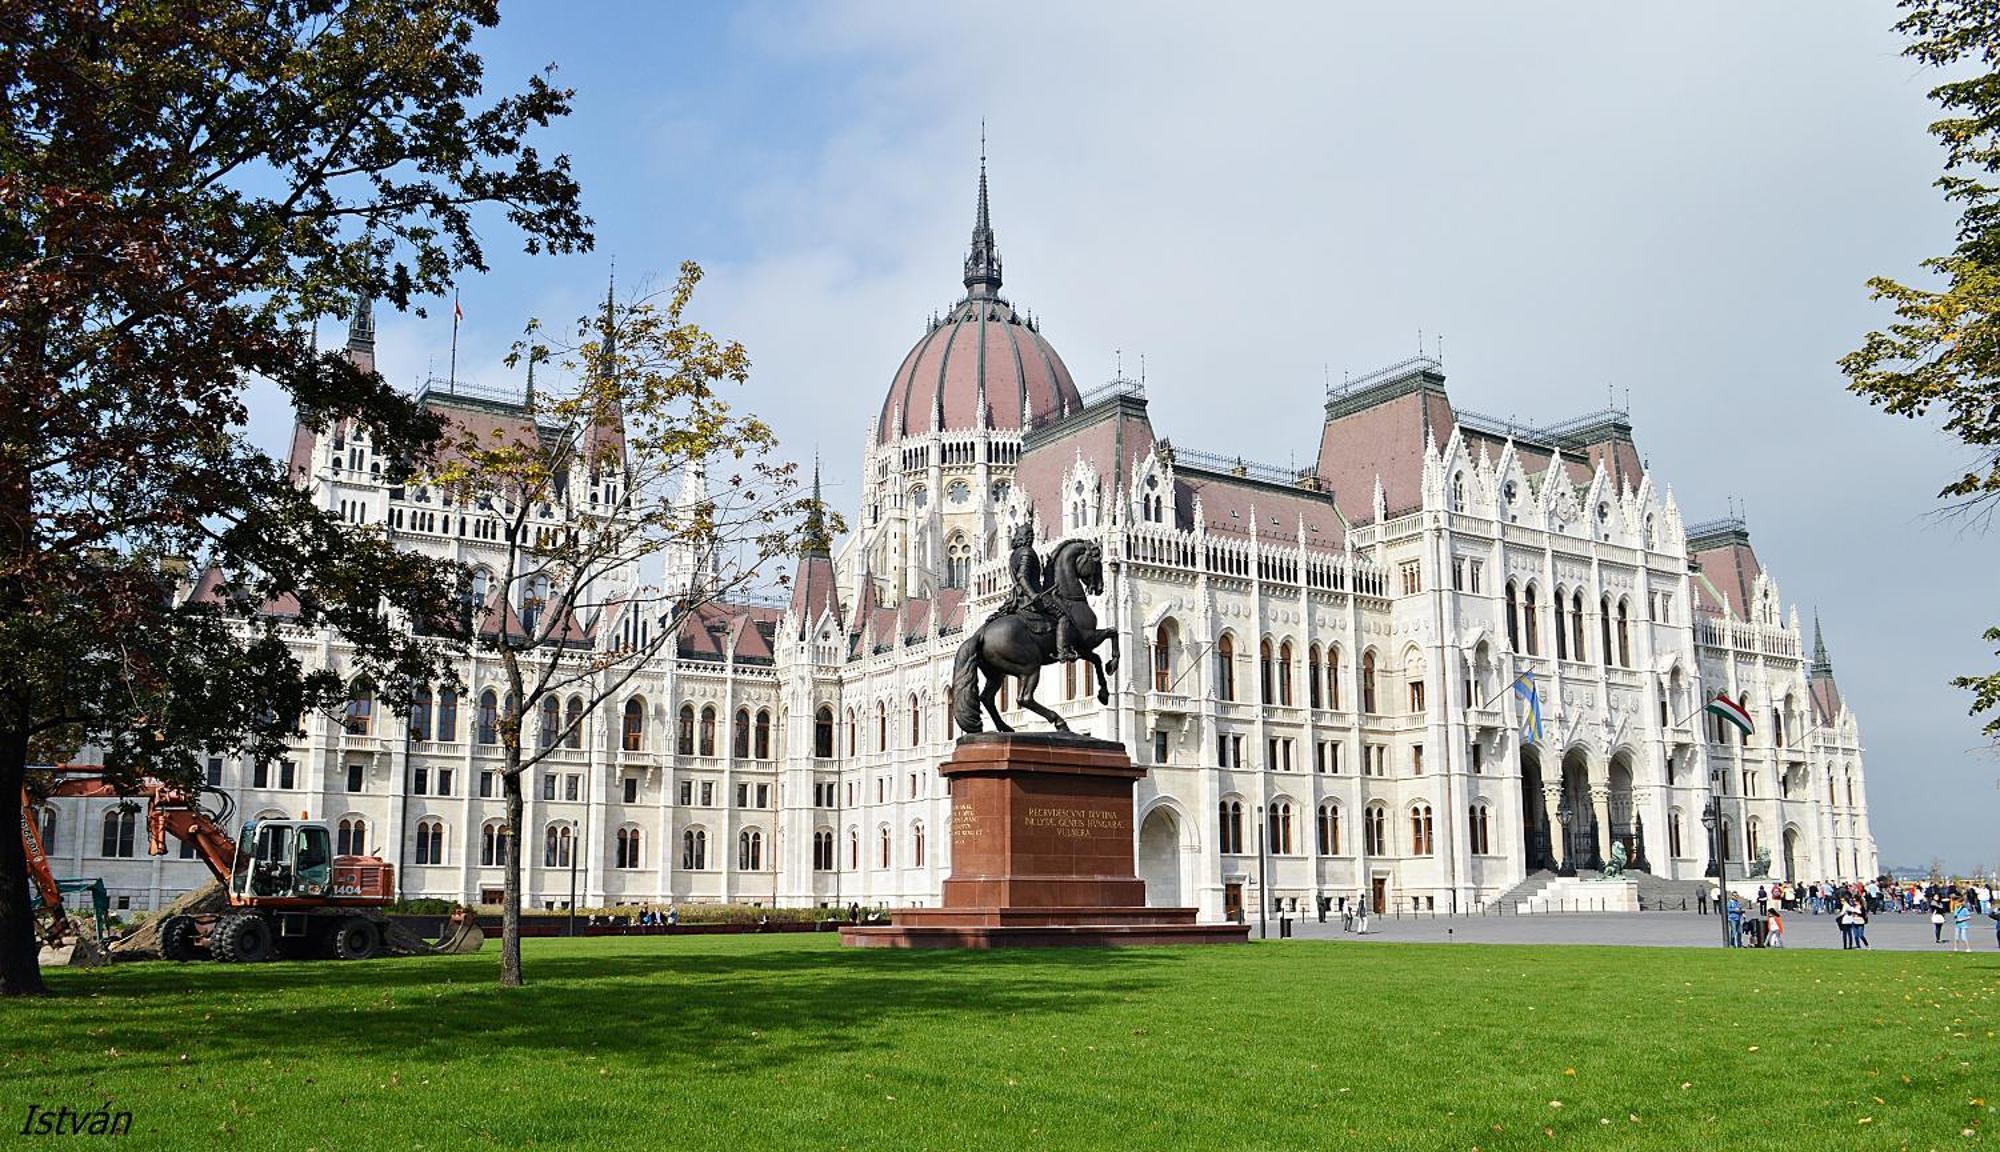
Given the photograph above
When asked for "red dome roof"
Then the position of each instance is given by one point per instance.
(982, 347)
(983, 342)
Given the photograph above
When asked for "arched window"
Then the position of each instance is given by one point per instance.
(557, 846)
(447, 714)
(1368, 681)
(1313, 694)
(482, 587)
(626, 851)
(1285, 673)
(1513, 617)
(489, 718)
(420, 715)
(1753, 830)
(493, 840)
(1562, 632)
(1266, 673)
(1604, 622)
(853, 732)
(694, 850)
(763, 733)
(750, 850)
(881, 726)
(1674, 833)
(708, 730)
(957, 561)
(430, 842)
(882, 834)
(1624, 632)
(360, 718)
(573, 723)
(1850, 788)
(823, 733)
(1375, 830)
(1420, 830)
(854, 849)
(1230, 827)
(1225, 667)
(1333, 676)
(1279, 828)
(350, 837)
(551, 727)
(120, 830)
(684, 737)
(1531, 621)
(1477, 825)
(823, 850)
(635, 724)
(917, 845)
(1163, 656)
(1577, 650)
(1329, 829)
(739, 737)
(916, 722)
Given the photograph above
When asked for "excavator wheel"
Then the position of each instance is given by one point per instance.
(241, 939)
(357, 938)
(177, 938)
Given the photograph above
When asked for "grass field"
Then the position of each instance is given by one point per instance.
(792, 1042)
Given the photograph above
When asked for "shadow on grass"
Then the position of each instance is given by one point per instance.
(667, 1007)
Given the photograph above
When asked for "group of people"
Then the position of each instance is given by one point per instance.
(1761, 923)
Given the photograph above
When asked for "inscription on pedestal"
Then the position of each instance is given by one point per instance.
(1074, 823)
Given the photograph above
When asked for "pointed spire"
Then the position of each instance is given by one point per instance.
(815, 540)
(982, 264)
(611, 316)
(361, 327)
(1821, 665)
(528, 400)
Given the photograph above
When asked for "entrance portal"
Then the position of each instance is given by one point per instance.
(1160, 858)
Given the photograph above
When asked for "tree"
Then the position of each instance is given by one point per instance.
(638, 457)
(183, 187)
(1943, 350)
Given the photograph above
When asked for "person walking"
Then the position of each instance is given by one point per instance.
(1361, 918)
(1861, 924)
(1937, 919)
(1774, 935)
(1735, 921)
(1701, 901)
(1846, 919)
(1961, 924)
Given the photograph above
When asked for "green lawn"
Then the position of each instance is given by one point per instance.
(791, 1041)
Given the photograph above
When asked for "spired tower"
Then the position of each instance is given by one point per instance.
(939, 463)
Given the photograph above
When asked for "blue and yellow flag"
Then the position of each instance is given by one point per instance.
(1531, 707)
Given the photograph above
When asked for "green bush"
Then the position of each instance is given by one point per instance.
(423, 906)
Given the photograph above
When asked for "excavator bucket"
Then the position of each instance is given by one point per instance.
(88, 953)
(462, 938)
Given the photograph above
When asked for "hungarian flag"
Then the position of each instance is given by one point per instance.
(457, 313)
(1726, 709)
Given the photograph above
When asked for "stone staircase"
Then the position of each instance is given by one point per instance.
(1656, 893)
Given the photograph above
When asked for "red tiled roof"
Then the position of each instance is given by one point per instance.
(982, 338)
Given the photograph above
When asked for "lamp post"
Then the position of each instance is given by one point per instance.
(1712, 822)
(1263, 876)
(1564, 816)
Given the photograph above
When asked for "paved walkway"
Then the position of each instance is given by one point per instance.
(1909, 931)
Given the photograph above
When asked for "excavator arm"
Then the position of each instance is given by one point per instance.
(168, 811)
(39, 873)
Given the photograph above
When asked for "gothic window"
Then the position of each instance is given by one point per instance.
(1457, 491)
(551, 721)
(1674, 833)
(1267, 672)
(1604, 623)
(957, 561)
(635, 723)
(1280, 829)
(360, 717)
(739, 739)
(1230, 830)
(684, 736)
(916, 722)
(1163, 656)
(488, 729)
(1333, 676)
(1368, 681)
(1624, 633)
(823, 733)
(881, 726)
(917, 845)
(351, 837)
(447, 714)
(1225, 667)
(1513, 617)
(558, 846)
(1329, 829)
(420, 715)
(121, 826)
(1562, 633)
(627, 851)
(1477, 824)
(1577, 651)
(1374, 830)
(1285, 673)
(573, 723)
(1313, 694)
(1420, 830)
(883, 838)
(493, 840)
(694, 849)
(707, 747)
(763, 746)
(430, 842)
(1530, 621)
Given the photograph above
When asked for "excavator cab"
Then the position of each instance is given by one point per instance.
(287, 860)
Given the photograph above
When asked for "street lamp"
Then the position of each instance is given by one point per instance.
(1565, 815)
(1711, 820)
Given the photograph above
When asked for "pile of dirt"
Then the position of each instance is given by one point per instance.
(143, 942)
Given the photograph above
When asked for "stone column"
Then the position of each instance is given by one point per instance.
(1551, 796)
(1600, 806)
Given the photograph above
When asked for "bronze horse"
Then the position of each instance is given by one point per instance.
(1020, 645)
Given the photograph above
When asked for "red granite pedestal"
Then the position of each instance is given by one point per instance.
(1041, 855)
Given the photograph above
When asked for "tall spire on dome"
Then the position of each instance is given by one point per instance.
(814, 538)
(982, 264)
(1821, 665)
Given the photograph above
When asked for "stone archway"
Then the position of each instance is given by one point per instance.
(1536, 843)
(1160, 858)
(1794, 854)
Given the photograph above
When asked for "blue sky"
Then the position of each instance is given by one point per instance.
(1679, 201)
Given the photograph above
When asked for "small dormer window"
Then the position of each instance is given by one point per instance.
(1510, 490)
(1603, 512)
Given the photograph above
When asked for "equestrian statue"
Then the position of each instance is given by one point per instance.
(1045, 619)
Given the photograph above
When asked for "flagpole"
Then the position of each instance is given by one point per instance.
(451, 385)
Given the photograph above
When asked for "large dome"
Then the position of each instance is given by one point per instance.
(982, 348)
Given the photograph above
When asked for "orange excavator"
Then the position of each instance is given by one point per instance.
(57, 931)
(287, 893)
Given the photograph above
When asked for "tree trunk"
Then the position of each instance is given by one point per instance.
(510, 899)
(20, 966)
